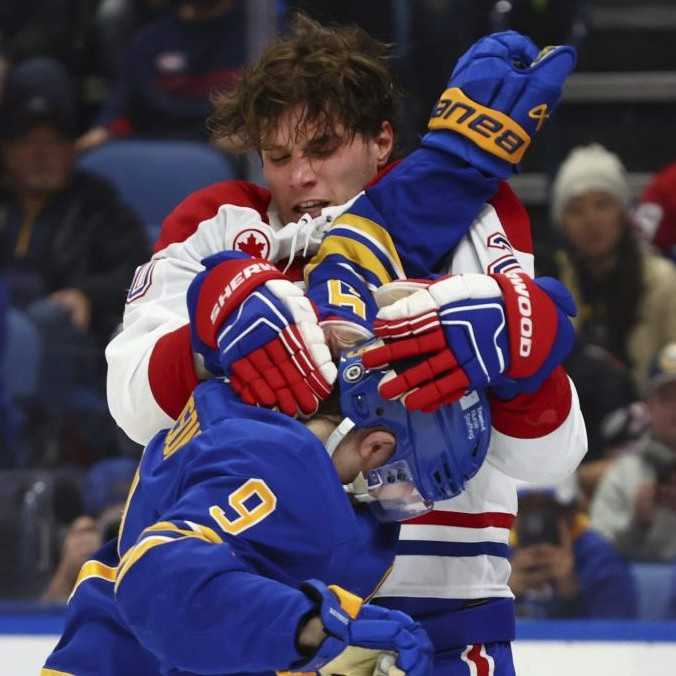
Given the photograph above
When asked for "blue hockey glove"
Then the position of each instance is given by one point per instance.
(349, 624)
(253, 325)
(499, 95)
(471, 331)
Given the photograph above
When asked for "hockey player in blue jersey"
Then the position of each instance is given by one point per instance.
(238, 520)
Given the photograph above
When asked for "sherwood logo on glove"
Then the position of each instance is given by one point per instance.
(235, 282)
(525, 308)
(490, 129)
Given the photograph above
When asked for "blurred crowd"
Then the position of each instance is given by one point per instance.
(78, 76)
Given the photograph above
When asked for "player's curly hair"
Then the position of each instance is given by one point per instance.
(337, 74)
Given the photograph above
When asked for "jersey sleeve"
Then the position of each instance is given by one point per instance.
(93, 620)
(151, 370)
(405, 226)
(197, 606)
(195, 585)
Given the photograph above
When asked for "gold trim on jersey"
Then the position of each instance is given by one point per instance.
(374, 233)
(53, 672)
(93, 569)
(130, 495)
(187, 426)
(197, 530)
(358, 252)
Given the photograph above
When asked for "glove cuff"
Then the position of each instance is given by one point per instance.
(222, 290)
(486, 138)
(337, 608)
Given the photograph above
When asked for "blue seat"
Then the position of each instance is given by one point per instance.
(656, 590)
(23, 351)
(154, 176)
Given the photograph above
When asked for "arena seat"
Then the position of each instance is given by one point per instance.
(153, 176)
(656, 590)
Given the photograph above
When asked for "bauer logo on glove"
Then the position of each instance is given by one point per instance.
(498, 97)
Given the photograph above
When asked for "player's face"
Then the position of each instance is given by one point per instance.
(362, 450)
(307, 170)
(593, 222)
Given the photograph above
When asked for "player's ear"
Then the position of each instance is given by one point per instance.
(375, 448)
(384, 143)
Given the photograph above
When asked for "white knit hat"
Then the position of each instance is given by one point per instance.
(588, 168)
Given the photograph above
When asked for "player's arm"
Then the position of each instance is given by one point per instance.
(189, 591)
(406, 225)
(151, 366)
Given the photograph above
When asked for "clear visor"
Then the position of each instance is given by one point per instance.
(391, 493)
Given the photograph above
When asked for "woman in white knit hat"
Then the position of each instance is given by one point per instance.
(626, 295)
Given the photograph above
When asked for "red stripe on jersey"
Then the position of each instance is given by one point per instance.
(203, 204)
(529, 416)
(463, 519)
(476, 655)
(514, 218)
(171, 371)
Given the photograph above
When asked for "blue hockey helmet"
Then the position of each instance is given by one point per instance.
(435, 453)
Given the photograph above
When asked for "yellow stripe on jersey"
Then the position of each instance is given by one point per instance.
(376, 234)
(197, 530)
(130, 495)
(93, 569)
(350, 250)
(380, 584)
(357, 252)
(137, 551)
(53, 672)
(185, 428)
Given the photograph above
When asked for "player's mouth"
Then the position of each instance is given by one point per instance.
(312, 207)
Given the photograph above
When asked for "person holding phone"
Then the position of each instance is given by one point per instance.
(635, 504)
(560, 566)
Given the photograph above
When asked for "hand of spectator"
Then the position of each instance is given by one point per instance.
(82, 540)
(528, 573)
(540, 564)
(96, 136)
(645, 503)
(76, 303)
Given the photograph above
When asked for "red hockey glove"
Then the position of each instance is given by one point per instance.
(471, 331)
(253, 325)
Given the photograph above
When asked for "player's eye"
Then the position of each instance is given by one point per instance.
(278, 159)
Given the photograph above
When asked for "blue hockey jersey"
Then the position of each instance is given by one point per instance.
(230, 510)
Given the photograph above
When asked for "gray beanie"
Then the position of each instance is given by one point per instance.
(585, 169)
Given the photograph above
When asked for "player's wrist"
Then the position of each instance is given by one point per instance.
(310, 634)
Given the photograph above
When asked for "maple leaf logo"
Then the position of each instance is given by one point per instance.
(252, 246)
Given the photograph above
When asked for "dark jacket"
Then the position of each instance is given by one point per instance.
(85, 238)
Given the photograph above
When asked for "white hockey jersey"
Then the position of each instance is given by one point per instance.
(459, 551)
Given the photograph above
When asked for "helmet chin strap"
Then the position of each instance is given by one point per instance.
(332, 443)
(359, 487)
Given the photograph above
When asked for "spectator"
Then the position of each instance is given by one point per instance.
(635, 504)
(604, 385)
(170, 70)
(70, 246)
(625, 295)
(104, 492)
(560, 566)
(656, 215)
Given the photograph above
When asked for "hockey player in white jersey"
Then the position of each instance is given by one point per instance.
(452, 568)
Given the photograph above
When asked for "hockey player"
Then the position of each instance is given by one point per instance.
(322, 134)
(223, 543)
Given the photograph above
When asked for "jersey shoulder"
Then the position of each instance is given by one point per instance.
(513, 217)
(203, 204)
